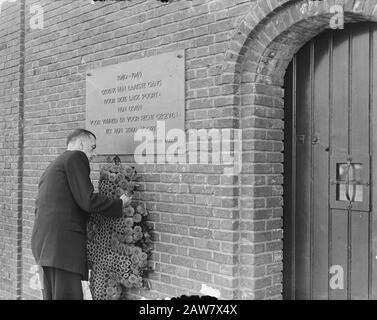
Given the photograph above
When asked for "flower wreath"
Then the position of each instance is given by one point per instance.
(118, 248)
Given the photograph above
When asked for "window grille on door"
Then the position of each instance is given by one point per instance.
(349, 184)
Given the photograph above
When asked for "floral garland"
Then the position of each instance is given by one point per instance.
(118, 248)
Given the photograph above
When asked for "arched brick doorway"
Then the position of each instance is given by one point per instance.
(261, 49)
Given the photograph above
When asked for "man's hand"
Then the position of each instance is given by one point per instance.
(126, 200)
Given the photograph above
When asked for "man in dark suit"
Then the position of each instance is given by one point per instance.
(65, 200)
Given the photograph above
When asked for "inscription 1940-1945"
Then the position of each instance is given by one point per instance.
(123, 98)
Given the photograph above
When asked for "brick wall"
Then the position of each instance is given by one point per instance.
(193, 210)
(11, 120)
(224, 232)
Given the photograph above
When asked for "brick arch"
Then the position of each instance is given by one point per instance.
(258, 54)
(270, 25)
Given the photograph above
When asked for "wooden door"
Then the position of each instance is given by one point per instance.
(330, 201)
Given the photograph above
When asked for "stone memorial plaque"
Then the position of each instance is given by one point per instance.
(122, 98)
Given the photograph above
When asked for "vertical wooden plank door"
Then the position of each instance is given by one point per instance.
(330, 245)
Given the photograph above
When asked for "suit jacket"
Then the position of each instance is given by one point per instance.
(65, 201)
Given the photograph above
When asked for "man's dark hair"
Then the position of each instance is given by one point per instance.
(79, 133)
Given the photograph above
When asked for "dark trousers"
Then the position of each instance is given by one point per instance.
(59, 284)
